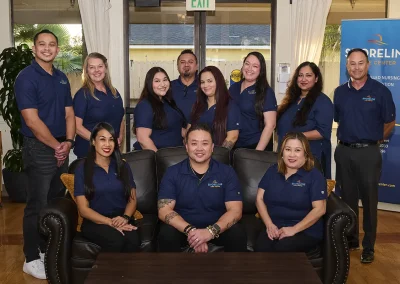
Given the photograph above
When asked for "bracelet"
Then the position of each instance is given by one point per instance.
(214, 230)
(188, 229)
(126, 217)
(211, 232)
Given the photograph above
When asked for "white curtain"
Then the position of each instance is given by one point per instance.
(308, 21)
(96, 25)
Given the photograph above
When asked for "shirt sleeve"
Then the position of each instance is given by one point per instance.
(324, 116)
(144, 115)
(167, 188)
(335, 107)
(233, 120)
(233, 190)
(68, 97)
(270, 101)
(318, 188)
(388, 106)
(25, 93)
(79, 181)
(132, 183)
(80, 103)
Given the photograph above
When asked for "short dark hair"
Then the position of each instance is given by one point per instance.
(187, 51)
(44, 32)
(198, 126)
(358, 50)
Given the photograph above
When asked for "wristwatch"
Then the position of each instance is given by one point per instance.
(70, 141)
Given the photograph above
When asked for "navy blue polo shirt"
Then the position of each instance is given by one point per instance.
(289, 201)
(109, 193)
(162, 138)
(184, 96)
(233, 119)
(250, 131)
(319, 118)
(49, 94)
(106, 108)
(200, 202)
(362, 113)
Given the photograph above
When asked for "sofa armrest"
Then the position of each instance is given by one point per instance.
(340, 221)
(57, 221)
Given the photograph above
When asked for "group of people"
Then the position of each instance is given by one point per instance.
(198, 111)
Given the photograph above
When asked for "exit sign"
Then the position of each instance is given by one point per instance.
(200, 5)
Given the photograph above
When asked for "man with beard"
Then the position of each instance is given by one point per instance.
(184, 88)
(200, 200)
(44, 99)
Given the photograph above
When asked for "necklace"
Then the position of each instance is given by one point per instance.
(193, 171)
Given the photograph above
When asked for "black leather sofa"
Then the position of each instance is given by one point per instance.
(69, 257)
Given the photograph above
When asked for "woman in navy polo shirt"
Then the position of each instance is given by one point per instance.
(215, 107)
(257, 104)
(159, 123)
(97, 101)
(291, 199)
(106, 195)
(306, 109)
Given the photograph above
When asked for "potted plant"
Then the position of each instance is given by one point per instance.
(12, 61)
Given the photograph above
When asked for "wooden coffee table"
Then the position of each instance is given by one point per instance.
(221, 268)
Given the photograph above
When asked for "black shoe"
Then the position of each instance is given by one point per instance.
(367, 256)
(354, 246)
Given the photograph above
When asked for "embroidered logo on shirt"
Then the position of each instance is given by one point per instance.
(298, 183)
(63, 82)
(368, 99)
(215, 184)
(252, 92)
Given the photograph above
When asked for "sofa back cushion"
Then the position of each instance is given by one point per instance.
(143, 166)
(167, 157)
(250, 166)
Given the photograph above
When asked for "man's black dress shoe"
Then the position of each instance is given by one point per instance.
(367, 256)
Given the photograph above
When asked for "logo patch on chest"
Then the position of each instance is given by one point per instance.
(298, 183)
(63, 82)
(368, 99)
(252, 92)
(215, 184)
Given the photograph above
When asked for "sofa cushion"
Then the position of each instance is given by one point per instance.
(253, 227)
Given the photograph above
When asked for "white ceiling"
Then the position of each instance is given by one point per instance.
(61, 11)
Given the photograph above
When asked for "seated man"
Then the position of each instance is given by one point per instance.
(200, 200)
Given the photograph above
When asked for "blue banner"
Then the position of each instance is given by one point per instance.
(381, 40)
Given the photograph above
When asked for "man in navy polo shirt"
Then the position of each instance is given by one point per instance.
(365, 112)
(48, 125)
(200, 200)
(184, 88)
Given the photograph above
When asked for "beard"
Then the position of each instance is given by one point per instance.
(186, 74)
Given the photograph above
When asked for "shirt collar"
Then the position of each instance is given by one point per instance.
(113, 163)
(194, 83)
(367, 86)
(39, 69)
(187, 170)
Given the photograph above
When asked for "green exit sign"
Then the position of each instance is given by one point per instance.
(200, 5)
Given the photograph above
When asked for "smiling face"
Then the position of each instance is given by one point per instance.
(187, 65)
(160, 84)
(96, 70)
(251, 68)
(306, 79)
(357, 65)
(45, 48)
(208, 84)
(104, 143)
(293, 154)
(199, 146)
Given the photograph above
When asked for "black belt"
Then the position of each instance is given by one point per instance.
(358, 145)
(59, 139)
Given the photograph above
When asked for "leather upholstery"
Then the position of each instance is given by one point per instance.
(69, 257)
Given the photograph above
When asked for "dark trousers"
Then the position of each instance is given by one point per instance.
(44, 184)
(109, 239)
(300, 242)
(233, 240)
(358, 172)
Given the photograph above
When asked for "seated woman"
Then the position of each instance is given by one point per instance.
(306, 109)
(97, 101)
(291, 200)
(158, 122)
(106, 195)
(215, 107)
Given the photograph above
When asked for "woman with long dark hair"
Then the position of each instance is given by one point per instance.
(158, 123)
(306, 109)
(97, 101)
(215, 107)
(106, 194)
(257, 104)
